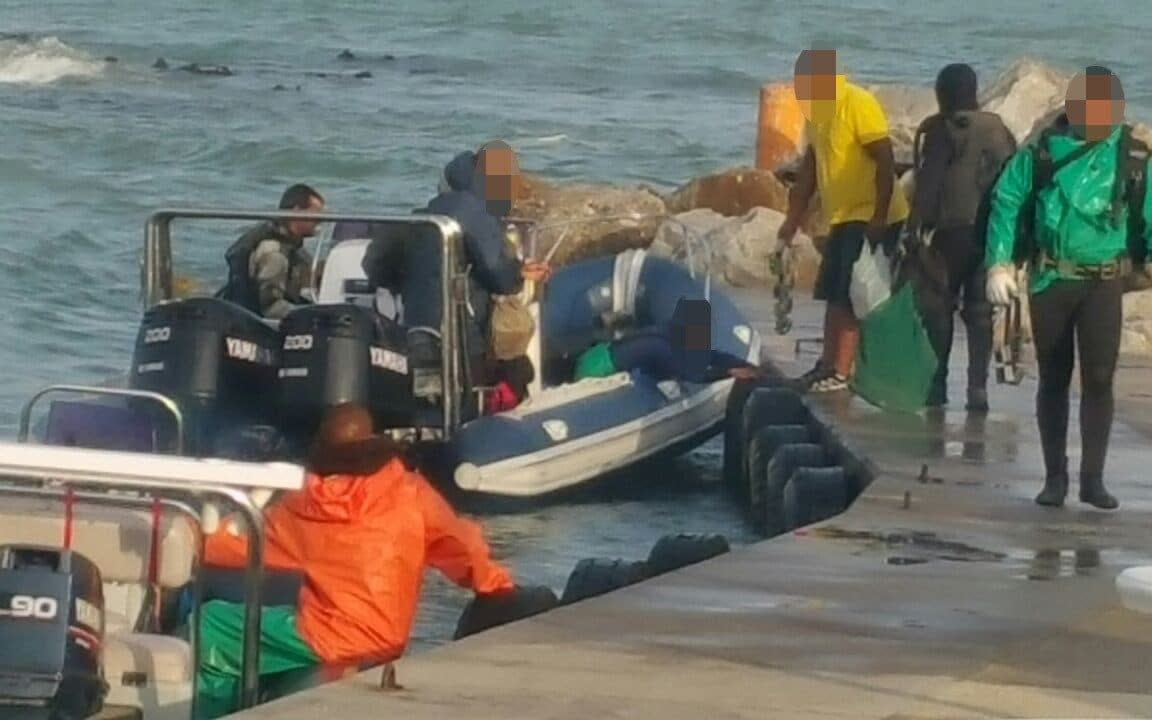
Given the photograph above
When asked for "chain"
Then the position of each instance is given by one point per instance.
(782, 264)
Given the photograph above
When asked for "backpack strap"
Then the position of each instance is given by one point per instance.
(1044, 168)
(1130, 190)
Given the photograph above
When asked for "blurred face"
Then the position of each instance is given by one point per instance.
(502, 182)
(697, 336)
(815, 84)
(1092, 110)
(306, 228)
(692, 335)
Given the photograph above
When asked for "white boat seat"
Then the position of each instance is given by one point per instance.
(117, 540)
(138, 659)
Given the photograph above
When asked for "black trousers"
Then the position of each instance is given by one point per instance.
(963, 259)
(1071, 315)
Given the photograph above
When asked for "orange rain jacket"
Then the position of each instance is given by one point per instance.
(363, 543)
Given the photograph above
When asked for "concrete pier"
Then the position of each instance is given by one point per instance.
(943, 592)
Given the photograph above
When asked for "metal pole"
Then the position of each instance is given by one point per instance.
(250, 662)
(158, 272)
(448, 345)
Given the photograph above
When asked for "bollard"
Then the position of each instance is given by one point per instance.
(780, 127)
(388, 679)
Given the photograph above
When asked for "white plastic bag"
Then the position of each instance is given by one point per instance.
(871, 280)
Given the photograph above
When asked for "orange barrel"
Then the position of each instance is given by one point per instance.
(780, 132)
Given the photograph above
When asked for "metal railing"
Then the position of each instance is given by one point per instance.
(108, 471)
(157, 276)
(162, 400)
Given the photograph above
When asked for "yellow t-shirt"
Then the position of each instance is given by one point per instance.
(845, 174)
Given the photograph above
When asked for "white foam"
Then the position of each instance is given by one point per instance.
(44, 61)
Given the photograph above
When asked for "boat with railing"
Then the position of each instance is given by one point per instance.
(247, 387)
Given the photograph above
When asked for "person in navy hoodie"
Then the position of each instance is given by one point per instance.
(477, 190)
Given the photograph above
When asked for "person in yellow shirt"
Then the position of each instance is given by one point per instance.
(849, 160)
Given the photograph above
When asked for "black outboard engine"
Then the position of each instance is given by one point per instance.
(51, 632)
(217, 360)
(333, 354)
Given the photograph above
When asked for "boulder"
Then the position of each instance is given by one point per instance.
(732, 192)
(1137, 333)
(905, 107)
(593, 220)
(734, 249)
(1024, 94)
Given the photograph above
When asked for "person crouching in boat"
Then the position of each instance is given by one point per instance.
(512, 378)
(681, 352)
(361, 531)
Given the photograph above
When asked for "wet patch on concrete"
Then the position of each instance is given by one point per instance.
(1058, 563)
(924, 544)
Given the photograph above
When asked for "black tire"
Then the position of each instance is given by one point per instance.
(733, 473)
(765, 442)
(787, 460)
(764, 406)
(483, 613)
(673, 552)
(596, 576)
(814, 494)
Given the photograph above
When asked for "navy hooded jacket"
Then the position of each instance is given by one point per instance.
(495, 270)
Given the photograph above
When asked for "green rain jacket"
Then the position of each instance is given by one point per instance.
(1073, 215)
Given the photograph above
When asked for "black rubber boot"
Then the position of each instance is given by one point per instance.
(1092, 492)
(938, 327)
(978, 323)
(1052, 421)
(1055, 490)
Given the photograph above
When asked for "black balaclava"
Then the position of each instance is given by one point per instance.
(956, 88)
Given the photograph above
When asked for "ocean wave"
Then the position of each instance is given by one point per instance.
(29, 61)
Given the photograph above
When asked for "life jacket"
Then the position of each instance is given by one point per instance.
(241, 288)
(979, 146)
(1128, 191)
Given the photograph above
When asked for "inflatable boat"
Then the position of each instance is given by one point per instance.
(211, 379)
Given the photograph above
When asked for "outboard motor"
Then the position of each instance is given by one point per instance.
(217, 360)
(333, 354)
(51, 634)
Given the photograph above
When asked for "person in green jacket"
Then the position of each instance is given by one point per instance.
(1078, 262)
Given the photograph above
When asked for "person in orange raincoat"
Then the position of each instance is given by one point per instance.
(362, 530)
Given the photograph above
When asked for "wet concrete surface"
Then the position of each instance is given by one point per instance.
(943, 592)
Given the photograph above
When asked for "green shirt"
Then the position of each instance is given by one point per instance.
(1073, 215)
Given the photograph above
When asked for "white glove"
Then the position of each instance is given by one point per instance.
(1001, 287)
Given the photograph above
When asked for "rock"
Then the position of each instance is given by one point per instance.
(731, 192)
(1024, 94)
(593, 220)
(676, 231)
(362, 75)
(202, 69)
(1137, 333)
(906, 107)
(735, 249)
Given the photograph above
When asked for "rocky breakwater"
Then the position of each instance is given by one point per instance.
(723, 223)
(580, 220)
(726, 221)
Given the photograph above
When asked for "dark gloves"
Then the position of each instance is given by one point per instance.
(488, 611)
